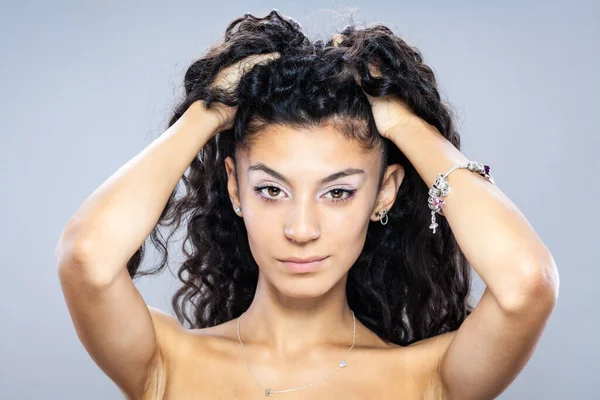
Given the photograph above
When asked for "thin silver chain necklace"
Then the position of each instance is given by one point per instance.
(269, 392)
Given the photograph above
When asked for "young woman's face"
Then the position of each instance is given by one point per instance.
(307, 193)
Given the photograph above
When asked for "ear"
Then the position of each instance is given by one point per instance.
(392, 179)
(232, 185)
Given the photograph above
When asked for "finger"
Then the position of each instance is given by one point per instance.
(258, 58)
(337, 39)
(249, 62)
(374, 70)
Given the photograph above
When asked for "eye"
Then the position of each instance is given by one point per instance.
(271, 194)
(337, 194)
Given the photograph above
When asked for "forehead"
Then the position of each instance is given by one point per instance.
(317, 150)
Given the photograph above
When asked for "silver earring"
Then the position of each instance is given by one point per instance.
(384, 219)
(237, 210)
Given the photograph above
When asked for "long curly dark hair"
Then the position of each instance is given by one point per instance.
(407, 284)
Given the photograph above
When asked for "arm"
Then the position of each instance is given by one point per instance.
(121, 213)
(495, 342)
(126, 339)
(130, 342)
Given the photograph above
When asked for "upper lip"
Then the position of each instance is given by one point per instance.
(304, 260)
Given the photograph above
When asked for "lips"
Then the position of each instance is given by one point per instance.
(303, 265)
(304, 260)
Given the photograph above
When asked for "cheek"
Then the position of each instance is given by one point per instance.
(346, 234)
(263, 227)
(346, 231)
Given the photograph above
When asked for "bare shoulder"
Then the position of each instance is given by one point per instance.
(169, 330)
(169, 334)
(434, 347)
(423, 359)
(164, 320)
(180, 346)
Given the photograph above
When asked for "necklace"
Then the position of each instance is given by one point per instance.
(269, 392)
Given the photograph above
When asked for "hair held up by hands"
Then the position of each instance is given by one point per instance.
(407, 284)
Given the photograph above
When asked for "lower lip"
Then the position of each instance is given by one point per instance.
(297, 267)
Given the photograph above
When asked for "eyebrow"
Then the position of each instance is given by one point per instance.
(327, 179)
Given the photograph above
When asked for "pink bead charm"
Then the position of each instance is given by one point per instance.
(438, 202)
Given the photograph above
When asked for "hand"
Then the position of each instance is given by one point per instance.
(390, 112)
(227, 80)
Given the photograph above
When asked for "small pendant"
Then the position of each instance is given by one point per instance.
(268, 392)
(343, 363)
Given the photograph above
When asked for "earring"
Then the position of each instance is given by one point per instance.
(237, 210)
(384, 218)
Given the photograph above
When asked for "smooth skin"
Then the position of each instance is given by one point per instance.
(299, 327)
(121, 334)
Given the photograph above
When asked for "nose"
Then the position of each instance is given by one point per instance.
(302, 223)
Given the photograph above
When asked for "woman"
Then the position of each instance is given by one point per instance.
(326, 257)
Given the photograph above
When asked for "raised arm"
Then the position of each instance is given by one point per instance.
(122, 335)
(495, 342)
(129, 341)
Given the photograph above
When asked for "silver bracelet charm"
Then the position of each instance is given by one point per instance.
(441, 187)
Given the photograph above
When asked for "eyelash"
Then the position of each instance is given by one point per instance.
(258, 189)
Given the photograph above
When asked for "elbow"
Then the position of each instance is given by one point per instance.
(540, 286)
(75, 262)
(73, 246)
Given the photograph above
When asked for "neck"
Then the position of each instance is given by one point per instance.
(289, 327)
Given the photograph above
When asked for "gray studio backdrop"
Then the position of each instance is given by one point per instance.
(87, 85)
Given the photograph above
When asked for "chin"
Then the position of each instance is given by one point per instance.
(305, 286)
(296, 290)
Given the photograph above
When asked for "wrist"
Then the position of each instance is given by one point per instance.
(409, 128)
(205, 119)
